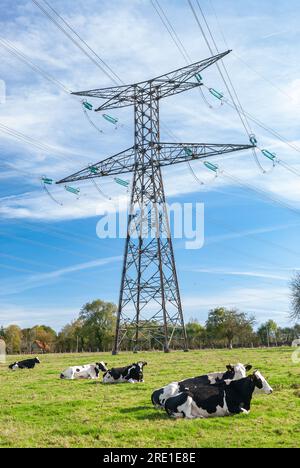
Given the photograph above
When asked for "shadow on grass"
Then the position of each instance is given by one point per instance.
(148, 413)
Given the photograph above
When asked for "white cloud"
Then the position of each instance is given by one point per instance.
(258, 301)
(41, 279)
(119, 32)
(250, 232)
(57, 119)
(24, 317)
(254, 274)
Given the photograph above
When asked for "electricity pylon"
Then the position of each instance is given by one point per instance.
(149, 301)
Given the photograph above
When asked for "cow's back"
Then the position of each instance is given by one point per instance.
(208, 397)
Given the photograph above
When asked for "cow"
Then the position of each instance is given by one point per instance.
(225, 398)
(88, 371)
(26, 364)
(233, 372)
(130, 374)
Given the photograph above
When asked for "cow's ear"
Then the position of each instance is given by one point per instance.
(145, 363)
(248, 367)
(230, 367)
(105, 363)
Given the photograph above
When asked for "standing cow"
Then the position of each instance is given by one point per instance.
(233, 372)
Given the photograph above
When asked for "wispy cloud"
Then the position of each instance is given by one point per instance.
(119, 32)
(41, 279)
(249, 232)
(46, 114)
(263, 302)
(253, 274)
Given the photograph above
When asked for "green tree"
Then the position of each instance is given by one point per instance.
(229, 325)
(27, 340)
(268, 332)
(70, 338)
(196, 334)
(98, 318)
(13, 338)
(295, 294)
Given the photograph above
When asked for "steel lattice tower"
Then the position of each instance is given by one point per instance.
(149, 301)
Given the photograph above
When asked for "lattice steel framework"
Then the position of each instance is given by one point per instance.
(149, 301)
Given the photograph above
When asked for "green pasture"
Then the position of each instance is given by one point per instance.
(37, 409)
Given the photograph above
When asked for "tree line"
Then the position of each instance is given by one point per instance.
(94, 329)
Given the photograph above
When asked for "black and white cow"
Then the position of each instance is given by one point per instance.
(225, 398)
(130, 374)
(26, 364)
(233, 372)
(87, 371)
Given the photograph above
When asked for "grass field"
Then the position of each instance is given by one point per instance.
(37, 409)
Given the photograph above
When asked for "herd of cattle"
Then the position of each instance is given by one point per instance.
(215, 394)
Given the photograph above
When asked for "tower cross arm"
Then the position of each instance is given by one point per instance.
(175, 153)
(115, 97)
(121, 163)
(174, 82)
(184, 78)
(167, 155)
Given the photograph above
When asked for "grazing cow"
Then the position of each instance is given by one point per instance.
(233, 372)
(26, 364)
(224, 398)
(130, 374)
(88, 371)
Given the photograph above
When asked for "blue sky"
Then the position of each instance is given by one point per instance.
(51, 259)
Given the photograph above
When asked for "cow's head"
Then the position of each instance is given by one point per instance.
(141, 364)
(237, 371)
(36, 360)
(137, 370)
(101, 366)
(261, 385)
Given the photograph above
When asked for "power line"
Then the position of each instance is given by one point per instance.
(29, 140)
(38, 145)
(244, 123)
(237, 106)
(176, 39)
(17, 53)
(179, 42)
(267, 80)
(262, 192)
(63, 30)
(84, 42)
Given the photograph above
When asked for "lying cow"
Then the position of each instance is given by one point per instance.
(233, 372)
(130, 374)
(88, 371)
(26, 364)
(225, 398)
